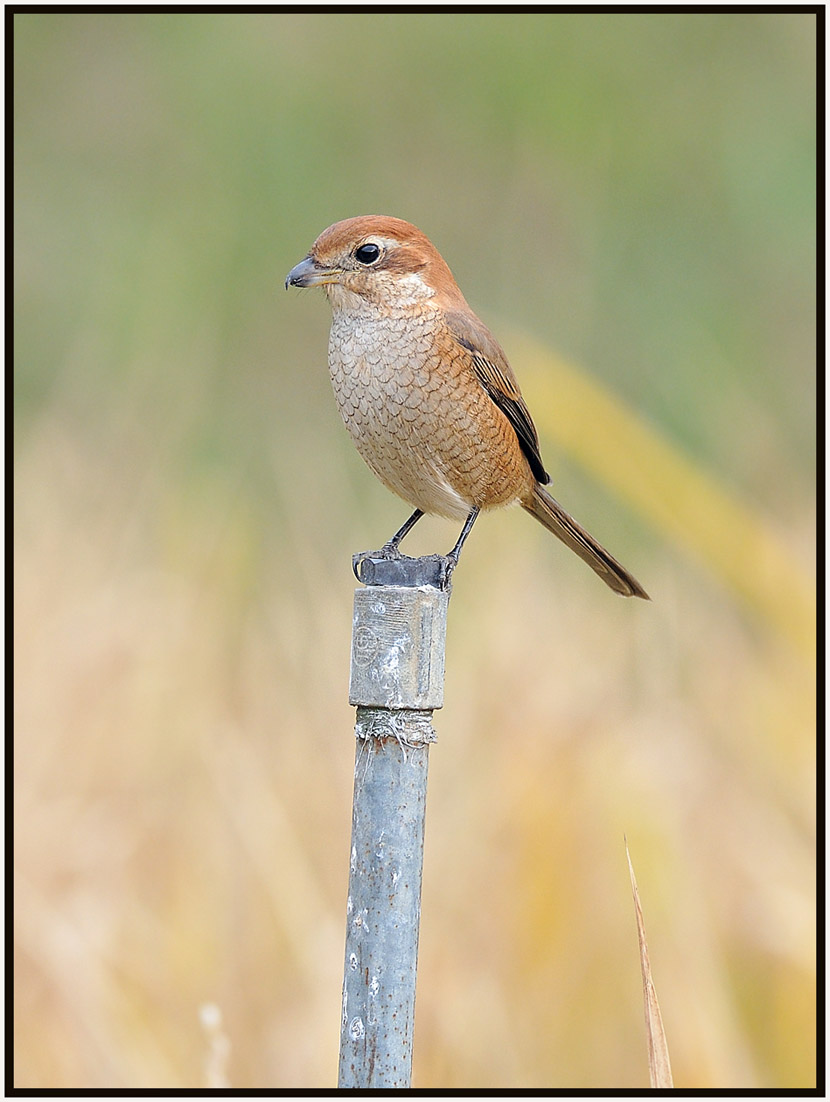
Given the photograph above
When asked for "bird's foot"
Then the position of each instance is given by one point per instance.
(450, 563)
(390, 550)
(364, 562)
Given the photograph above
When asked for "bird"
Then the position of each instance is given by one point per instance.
(426, 391)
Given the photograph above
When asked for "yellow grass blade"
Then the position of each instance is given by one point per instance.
(659, 1065)
(674, 494)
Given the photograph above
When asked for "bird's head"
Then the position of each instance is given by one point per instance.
(381, 260)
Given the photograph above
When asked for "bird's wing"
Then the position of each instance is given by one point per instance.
(490, 367)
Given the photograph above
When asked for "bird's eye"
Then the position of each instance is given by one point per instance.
(368, 253)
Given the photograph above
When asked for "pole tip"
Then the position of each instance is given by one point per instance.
(376, 568)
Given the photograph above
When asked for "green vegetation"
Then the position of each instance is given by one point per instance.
(636, 194)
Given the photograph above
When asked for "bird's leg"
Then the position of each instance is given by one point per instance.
(389, 567)
(465, 531)
(367, 565)
(451, 561)
(390, 548)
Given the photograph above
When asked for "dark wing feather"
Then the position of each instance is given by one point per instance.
(492, 370)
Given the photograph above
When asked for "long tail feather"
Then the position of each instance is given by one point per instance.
(555, 519)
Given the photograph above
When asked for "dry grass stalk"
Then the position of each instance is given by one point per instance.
(659, 1065)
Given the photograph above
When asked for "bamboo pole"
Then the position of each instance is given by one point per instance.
(397, 679)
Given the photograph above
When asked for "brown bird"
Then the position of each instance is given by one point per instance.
(426, 391)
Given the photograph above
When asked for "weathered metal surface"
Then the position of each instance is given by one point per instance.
(398, 638)
(375, 568)
(397, 679)
(383, 914)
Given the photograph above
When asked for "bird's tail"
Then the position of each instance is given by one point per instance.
(556, 520)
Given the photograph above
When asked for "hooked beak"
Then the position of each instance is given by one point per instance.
(308, 274)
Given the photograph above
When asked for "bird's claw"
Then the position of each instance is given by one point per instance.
(387, 553)
(390, 550)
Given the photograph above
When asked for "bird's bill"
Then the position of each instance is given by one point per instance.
(309, 274)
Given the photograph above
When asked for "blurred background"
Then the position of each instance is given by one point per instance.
(628, 201)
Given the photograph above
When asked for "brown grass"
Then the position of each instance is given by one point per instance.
(183, 784)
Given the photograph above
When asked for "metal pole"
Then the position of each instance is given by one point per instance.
(397, 679)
